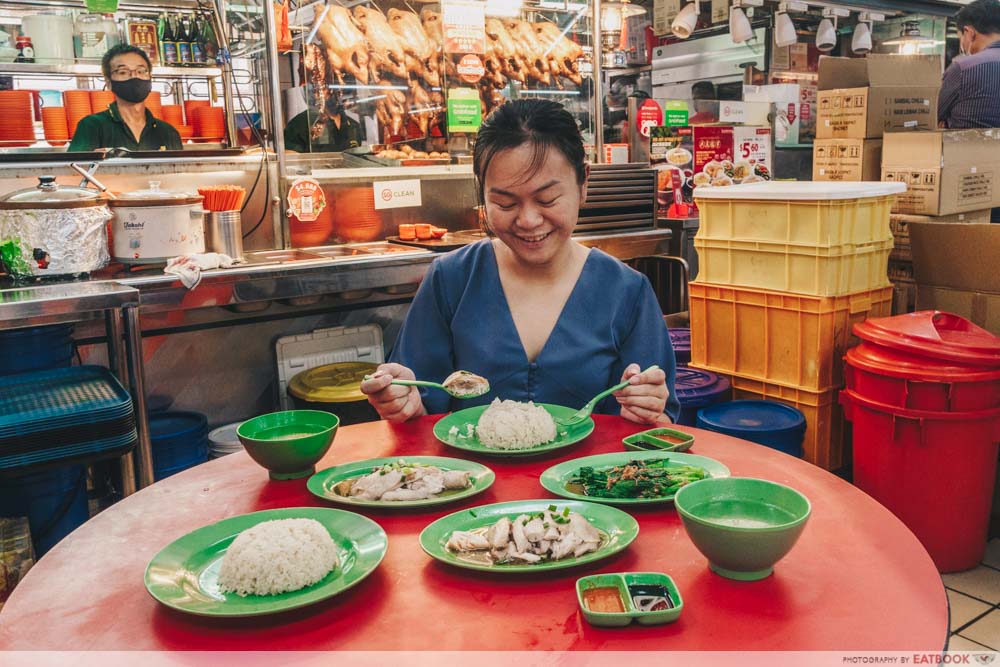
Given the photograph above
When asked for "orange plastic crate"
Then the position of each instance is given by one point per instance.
(787, 339)
(825, 443)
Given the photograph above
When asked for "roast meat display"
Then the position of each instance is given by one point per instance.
(403, 52)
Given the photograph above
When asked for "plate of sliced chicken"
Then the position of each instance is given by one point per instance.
(412, 481)
(529, 535)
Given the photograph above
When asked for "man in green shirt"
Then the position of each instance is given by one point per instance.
(126, 123)
(330, 131)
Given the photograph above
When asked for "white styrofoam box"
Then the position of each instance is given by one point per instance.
(325, 346)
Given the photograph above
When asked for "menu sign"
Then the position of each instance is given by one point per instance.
(464, 26)
(465, 113)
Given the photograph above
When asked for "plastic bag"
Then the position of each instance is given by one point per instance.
(281, 25)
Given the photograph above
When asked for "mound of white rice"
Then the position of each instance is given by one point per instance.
(514, 425)
(277, 557)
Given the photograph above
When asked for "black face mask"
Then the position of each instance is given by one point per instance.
(334, 106)
(132, 90)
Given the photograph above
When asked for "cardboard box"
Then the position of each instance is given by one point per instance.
(847, 160)
(946, 171)
(962, 257)
(863, 98)
(954, 266)
(980, 308)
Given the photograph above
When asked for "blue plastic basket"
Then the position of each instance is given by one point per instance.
(768, 423)
(65, 397)
(36, 348)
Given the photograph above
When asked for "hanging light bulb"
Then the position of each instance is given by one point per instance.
(784, 30)
(861, 41)
(686, 21)
(739, 25)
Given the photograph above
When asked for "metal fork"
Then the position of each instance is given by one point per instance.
(584, 412)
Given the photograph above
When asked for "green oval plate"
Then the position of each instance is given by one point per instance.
(558, 476)
(184, 575)
(322, 483)
(618, 528)
(565, 436)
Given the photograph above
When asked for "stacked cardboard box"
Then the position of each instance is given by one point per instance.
(946, 171)
(861, 100)
(954, 267)
(901, 257)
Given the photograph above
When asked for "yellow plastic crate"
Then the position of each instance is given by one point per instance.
(817, 271)
(786, 339)
(826, 444)
(821, 215)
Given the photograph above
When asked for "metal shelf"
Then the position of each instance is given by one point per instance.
(94, 69)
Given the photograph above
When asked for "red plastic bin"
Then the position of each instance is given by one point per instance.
(933, 470)
(919, 383)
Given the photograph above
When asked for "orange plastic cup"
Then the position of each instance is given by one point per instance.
(407, 232)
(423, 231)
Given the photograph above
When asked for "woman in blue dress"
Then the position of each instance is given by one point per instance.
(540, 316)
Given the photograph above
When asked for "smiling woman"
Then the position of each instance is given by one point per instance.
(540, 316)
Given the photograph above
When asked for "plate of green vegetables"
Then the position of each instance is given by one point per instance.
(629, 478)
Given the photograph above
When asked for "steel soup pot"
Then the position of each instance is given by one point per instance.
(151, 226)
(53, 230)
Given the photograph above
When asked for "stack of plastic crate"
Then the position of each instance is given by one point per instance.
(786, 269)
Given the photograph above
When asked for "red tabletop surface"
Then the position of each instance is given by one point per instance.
(856, 580)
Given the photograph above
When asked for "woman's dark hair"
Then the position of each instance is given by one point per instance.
(542, 123)
(120, 50)
(983, 15)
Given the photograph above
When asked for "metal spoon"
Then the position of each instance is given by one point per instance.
(460, 384)
(585, 411)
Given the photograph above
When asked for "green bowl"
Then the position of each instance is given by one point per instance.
(742, 525)
(289, 443)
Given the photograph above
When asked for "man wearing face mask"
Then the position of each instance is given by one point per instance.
(126, 123)
(971, 87)
(331, 131)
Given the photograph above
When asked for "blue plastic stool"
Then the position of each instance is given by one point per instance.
(36, 349)
(696, 389)
(54, 500)
(767, 423)
(680, 339)
(179, 440)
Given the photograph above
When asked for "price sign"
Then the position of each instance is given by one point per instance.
(306, 200)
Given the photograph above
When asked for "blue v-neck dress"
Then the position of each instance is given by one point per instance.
(460, 319)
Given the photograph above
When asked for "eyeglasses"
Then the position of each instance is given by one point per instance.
(123, 73)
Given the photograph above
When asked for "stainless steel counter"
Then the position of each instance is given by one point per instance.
(293, 282)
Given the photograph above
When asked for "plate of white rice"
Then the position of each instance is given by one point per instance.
(511, 428)
(266, 562)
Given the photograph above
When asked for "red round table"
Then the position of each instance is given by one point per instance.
(857, 579)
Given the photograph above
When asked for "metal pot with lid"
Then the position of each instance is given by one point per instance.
(53, 230)
(153, 225)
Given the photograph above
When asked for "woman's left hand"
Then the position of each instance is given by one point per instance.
(645, 398)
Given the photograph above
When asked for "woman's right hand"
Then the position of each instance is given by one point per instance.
(393, 402)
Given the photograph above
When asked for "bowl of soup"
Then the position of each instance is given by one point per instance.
(742, 525)
(289, 443)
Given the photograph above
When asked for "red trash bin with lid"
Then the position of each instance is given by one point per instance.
(923, 393)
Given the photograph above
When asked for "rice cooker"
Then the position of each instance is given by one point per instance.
(53, 230)
(154, 225)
